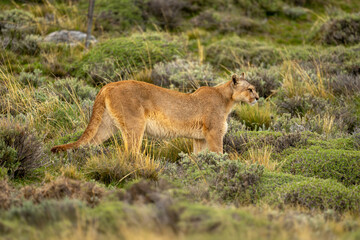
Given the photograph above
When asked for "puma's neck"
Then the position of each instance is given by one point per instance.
(226, 92)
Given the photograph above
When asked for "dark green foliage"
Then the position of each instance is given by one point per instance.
(317, 194)
(232, 52)
(168, 13)
(341, 30)
(20, 152)
(342, 165)
(117, 15)
(117, 58)
(229, 179)
(72, 89)
(345, 84)
(300, 105)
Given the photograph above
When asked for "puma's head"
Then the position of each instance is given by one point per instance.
(242, 90)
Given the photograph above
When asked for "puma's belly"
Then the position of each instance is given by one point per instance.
(168, 129)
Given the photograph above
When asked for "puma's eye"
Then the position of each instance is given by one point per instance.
(250, 90)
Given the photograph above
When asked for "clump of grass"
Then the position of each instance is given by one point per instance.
(255, 117)
(170, 149)
(118, 166)
(261, 156)
(298, 81)
(20, 152)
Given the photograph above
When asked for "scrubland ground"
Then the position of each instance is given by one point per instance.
(291, 168)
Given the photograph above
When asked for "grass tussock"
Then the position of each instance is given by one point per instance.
(118, 166)
(297, 81)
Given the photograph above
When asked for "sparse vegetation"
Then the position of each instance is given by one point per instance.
(290, 168)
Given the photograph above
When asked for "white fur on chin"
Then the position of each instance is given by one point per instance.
(253, 102)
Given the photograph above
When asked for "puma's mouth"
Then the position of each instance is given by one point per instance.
(253, 102)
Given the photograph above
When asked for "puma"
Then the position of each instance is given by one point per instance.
(136, 108)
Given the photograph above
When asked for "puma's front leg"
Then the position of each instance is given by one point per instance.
(199, 145)
(214, 141)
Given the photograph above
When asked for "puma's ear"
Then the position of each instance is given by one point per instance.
(234, 78)
(243, 75)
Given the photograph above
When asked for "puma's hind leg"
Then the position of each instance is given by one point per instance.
(106, 129)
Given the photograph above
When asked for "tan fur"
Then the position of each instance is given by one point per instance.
(136, 108)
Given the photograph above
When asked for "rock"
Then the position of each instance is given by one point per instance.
(70, 37)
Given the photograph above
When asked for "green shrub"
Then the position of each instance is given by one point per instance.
(69, 89)
(232, 52)
(316, 194)
(185, 75)
(127, 54)
(342, 165)
(20, 152)
(244, 140)
(34, 79)
(15, 23)
(47, 212)
(228, 179)
(340, 30)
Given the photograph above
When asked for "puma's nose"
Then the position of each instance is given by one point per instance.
(257, 98)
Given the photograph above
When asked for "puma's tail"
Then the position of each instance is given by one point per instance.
(91, 129)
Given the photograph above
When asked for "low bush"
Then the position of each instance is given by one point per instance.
(168, 13)
(123, 55)
(242, 141)
(16, 23)
(342, 165)
(316, 194)
(232, 52)
(340, 30)
(228, 179)
(47, 212)
(34, 79)
(73, 89)
(184, 75)
(117, 16)
(20, 151)
(64, 188)
(345, 84)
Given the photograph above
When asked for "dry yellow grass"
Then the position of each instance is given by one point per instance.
(298, 82)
